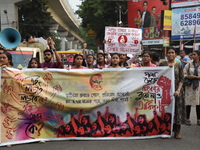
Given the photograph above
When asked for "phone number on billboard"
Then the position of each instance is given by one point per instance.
(190, 22)
(186, 22)
(190, 16)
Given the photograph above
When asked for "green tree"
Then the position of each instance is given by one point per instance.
(100, 13)
(34, 19)
(89, 40)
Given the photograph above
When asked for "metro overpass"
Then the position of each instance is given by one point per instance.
(64, 22)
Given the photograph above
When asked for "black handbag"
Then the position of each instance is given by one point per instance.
(188, 81)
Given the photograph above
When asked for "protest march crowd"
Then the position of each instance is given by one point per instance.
(186, 94)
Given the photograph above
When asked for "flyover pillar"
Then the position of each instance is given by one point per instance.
(70, 42)
(75, 44)
(63, 36)
(80, 46)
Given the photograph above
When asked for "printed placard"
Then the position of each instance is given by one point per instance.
(123, 40)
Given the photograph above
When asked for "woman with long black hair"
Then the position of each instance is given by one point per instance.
(192, 92)
(78, 62)
(178, 94)
(101, 63)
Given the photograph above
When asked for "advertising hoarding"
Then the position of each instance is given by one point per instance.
(167, 21)
(186, 23)
(146, 14)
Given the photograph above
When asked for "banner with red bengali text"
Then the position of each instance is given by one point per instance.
(59, 104)
(123, 40)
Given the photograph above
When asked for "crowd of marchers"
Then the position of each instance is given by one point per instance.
(188, 66)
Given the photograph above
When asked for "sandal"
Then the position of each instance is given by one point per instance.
(177, 136)
(188, 122)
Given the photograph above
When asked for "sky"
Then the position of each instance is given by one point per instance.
(73, 4)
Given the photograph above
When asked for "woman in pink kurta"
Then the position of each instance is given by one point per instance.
(78, 62)
(146, 60)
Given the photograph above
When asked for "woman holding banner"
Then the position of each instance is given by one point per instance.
(127, 60)
(115, 61)
(123, 59)
(101, 63)
(179, 100)
(34, 63)
(78, 62)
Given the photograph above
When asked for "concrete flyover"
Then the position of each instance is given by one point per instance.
(64, 22)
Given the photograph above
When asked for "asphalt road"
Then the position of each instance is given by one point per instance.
(190, 141)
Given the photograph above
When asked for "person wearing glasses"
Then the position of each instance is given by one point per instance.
(90, 61)
(146, 60)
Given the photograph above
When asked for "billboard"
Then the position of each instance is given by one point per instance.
(186, 23)
(146, 14)
(183, 3)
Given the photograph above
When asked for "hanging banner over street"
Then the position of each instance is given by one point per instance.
(184, 21)
(123, 40)
(62, 104)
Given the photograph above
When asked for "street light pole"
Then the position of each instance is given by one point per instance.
(120, 15)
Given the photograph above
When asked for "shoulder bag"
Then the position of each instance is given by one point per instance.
(188, 81)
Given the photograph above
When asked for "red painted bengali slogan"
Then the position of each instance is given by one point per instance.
(62, 104)
(123, 40)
